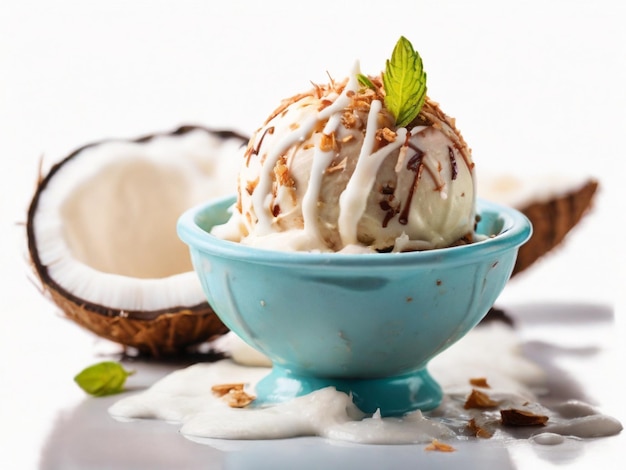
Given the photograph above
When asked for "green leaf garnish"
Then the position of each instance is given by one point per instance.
(104, 378)
(365, 81)
(405, 83)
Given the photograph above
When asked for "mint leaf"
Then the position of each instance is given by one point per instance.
(365, 81)
(104, 378)
(404, 80)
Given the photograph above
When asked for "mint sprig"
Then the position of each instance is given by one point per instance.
(365, 81)
(103, 378)
(404, 80)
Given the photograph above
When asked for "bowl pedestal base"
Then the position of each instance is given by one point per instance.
(393, 396)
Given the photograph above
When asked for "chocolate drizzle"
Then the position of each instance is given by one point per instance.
(453, 167)
(276, 210)
(415, 164)
(389, 209)
(255, 150)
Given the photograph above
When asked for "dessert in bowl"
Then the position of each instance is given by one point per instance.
(367, 324)
(355, 249)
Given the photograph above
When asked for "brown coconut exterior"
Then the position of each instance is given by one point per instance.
(167, 334)
(155, 333)
(552, 220)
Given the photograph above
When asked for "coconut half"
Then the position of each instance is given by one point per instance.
(554, 204)
(102, 240)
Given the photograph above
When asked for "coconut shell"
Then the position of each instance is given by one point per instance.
(552, 220)
(167, 334)
(155, 333)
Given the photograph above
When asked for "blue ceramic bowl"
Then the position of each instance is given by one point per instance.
(366, 324)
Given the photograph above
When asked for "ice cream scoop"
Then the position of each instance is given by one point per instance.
(330, 170)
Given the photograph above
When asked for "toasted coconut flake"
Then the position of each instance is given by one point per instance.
(477, 430)
(348, 120)
(439, 446)
(233, 394)
(515, 417)
(479, 382)
(337, 167)
(328, 142)
(222, 389)
(385, 135)
(478, 399)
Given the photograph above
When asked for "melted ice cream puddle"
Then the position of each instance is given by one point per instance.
(492, 351)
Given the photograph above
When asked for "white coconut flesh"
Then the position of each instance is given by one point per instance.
(105, 221)
(521, 190)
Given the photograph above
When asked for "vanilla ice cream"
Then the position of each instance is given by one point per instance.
(329, 170)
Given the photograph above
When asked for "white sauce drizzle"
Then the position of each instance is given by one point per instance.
(321, 160)
(353, 199)
(261, 197)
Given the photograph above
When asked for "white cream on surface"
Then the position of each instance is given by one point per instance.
(184, 397)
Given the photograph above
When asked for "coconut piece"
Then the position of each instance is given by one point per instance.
(554, 205)
(101, 233)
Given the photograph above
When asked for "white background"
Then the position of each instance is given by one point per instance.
(537, 87)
